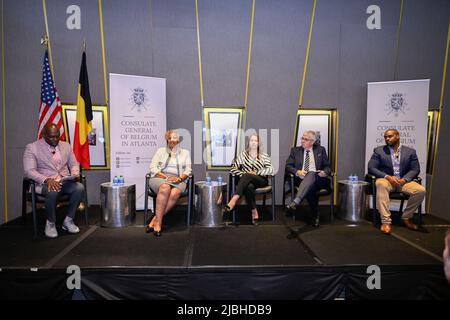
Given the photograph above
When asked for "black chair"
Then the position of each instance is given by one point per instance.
(29, 194)
(269, 189)
(189, 192)
(372, 190)
(289, 187)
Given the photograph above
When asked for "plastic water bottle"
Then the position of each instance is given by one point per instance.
(219, 180)
(208, 180)
(355, 178)
(351, 178)
(121, 181)
(115, 181)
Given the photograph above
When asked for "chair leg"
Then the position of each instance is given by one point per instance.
(331, 208)
(316, 223)
(86, 209)
(24, 206)
(33, 204)
(273, 205)
(263, 204)
(401, 206)
(292, 199)
(375, 211)
(146, 201)
(233, 190)
(420, 215)
(190, 201)
(188, 222)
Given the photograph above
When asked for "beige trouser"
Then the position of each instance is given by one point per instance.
(415, 191)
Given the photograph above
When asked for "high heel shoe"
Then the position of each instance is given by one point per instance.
(226, 214)
(157, 233)
(227, 209)
(149, 229)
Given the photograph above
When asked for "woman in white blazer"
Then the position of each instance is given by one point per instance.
(170, 167)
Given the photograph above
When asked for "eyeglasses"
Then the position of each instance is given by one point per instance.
(306, 139)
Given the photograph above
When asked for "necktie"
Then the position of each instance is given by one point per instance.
(306, 167)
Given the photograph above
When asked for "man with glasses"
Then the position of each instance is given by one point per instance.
(396, 166)
(310, 166)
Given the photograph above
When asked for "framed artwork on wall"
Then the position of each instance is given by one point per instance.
(98, 138)
(222, 135)
(319, 121)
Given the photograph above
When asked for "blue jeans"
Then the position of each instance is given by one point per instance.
(75, 191)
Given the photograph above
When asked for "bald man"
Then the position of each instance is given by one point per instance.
(47, 161)
(396, 166)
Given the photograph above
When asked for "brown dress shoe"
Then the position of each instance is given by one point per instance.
(410, 225)
(386, 228)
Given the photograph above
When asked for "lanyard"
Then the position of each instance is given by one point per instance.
(167, 162)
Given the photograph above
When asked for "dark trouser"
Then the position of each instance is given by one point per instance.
(75, 190)
(308, 189)
(247, 185)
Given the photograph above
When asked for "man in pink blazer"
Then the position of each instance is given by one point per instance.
(47, 161)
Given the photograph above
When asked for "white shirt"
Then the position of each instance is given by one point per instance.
(312, 162)
(178, 163)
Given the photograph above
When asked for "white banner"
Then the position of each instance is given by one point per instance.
(401, 105)
(137, 127)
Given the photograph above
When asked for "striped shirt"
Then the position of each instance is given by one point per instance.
(244, 163)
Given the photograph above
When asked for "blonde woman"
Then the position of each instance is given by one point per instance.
(252, 167)
(170, 167)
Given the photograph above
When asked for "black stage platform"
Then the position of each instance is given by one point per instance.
(284, 259)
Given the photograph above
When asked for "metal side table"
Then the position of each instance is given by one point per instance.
(210, 199)
(352, 200)
(118, 205)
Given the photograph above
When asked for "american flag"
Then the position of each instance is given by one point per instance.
(50, 110)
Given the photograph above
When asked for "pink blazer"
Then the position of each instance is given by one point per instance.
(38, 164)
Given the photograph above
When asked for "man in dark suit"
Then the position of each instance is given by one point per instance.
(395, 166)
(309, 164)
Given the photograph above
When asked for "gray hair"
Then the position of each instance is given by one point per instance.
(311, 133)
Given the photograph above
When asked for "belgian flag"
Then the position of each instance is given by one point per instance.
(83, 123)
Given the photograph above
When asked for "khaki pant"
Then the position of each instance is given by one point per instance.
(415, 191)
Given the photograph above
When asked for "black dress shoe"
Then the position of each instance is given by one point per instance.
(157, 233)
(148, 229)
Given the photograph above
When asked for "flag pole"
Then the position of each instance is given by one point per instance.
(83, 46)
(44, 41)
(81, 207)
